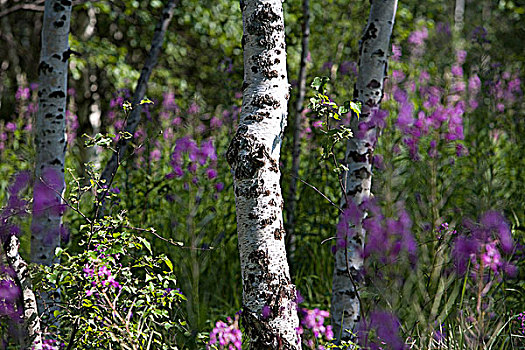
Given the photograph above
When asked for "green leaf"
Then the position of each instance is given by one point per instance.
(356, 107)
(146, 101)
(168, 262)
(146, 243)
(319, 83)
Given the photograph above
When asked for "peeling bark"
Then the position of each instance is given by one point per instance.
(32, 338)
(374, 46)
(253, 155)
(134, 117)
(50, 134)
(296, 152)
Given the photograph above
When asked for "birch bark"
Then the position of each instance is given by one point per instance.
(269, 299)
(50, 134)
(374, 47)
(32, 338)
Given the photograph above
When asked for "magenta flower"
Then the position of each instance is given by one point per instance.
(9, 126)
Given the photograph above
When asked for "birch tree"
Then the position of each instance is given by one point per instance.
(50, 133)
(269, 297)
(374, 47)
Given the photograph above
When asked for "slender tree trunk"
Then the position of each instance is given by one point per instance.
(374, 47)
(459, 15)
(134, 117)
(269, 301)
(32, 338)
(296, 153)
(50, 136)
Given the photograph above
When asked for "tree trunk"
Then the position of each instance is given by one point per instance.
(269, 300)
(374, 47)
(134, 117)
(296, 153)
(50, 135)
(32, 338)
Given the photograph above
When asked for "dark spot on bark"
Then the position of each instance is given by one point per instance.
(371, 33)
(58, 24)
(254, 69)
(39, 93)
(272, 203)
(48, 115)
(43, 67)
(273, 166)
(244, 86)
(60, 116)
(66, 54)
(243, 5)
(57, 94)
(252, 216)
(246, 155)
(362, 173)
(278, 52)
(356, 190)
(57, 7)
(373, 84)
(261, 25)
(379, 53)
(268, 221)
(56, 161)
(262, 101)
(357, 157)
(276, 61)
(66, 2)
(278, 234)
(57, 56)
(271, 74)
(255, 117)
(350, 293)
(243, 41)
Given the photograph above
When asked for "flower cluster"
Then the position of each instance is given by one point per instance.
(204, 156)
(9, 296)
(52, 344)
(521, 319)
(387, 236)
(482, 244)
(380, 332)
(100, 276)
(226, 335)
(313, 321)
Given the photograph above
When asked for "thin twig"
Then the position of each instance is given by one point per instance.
(321, 193)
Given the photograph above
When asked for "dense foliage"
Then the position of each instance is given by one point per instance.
(160, 268)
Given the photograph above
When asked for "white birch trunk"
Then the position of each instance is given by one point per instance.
(269, 307)
(50, 131)
(374, 47)
(459, 15)
(32, 338)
